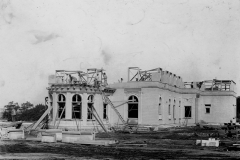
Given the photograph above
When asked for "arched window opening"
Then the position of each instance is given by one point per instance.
(132, 107)
(61, 98)
(90, 107)
(61, 106)
(90, 99)
(77, 107)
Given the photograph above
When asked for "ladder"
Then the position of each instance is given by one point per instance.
(42, 117)
(116, 111)
(96, 116)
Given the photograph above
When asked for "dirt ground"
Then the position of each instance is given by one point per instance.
(175, 143)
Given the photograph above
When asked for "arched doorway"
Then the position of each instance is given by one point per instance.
(90, 107)
(61, 106)
(77, 107)
(132, 107)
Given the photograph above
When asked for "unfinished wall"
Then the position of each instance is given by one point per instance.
(222, 109)
(188, 100)
(150, 97)
(69, 121)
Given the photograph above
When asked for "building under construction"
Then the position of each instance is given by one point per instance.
(83, 100)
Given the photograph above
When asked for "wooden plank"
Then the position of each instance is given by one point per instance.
(42, 117)
(39, 139)
(77, 133)
(103, 143)
(133, 144)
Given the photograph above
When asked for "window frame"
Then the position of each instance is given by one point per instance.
(208, 106)
(130, 102)
(77, 102)
(105, 111)
(190, 112)
(90, 116)
(169, 106)
(160, 100)
(61, 101)
(160, 105)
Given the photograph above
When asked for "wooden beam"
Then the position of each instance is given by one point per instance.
(42, 117)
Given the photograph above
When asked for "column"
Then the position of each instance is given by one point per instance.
(140, 108)
(193, 109)
(98, 105)
(55, 106)
(68, 105)
(84, 108)
(125, 109)
(196, 109)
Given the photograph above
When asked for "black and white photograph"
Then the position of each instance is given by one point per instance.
(119, 79)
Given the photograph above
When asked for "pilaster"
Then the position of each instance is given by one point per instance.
(84, 108)
(68, 106)
(55, 106)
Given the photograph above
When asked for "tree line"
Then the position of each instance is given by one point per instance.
(24, 112)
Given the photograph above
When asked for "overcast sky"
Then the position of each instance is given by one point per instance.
(197, 40)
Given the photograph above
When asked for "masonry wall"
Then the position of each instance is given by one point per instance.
(69, 121)
(117, 99)
(150, 100)
(148, 106)
(188, 100)
(222, 110)
(171, 99)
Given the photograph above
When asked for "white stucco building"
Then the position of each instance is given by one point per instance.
(151, 97)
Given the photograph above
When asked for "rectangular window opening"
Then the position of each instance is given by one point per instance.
(61, 110)
(105, 111)
(207, 108)
(169, 109)
(76, 111)
(160, 109)
(90, 110)
(132, 110)
(188, 112)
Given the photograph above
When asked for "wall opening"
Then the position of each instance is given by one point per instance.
(188, 111)
(77, 107)
(169, 107)
(90, 107)
(207, 108)
(238, 108)
(61, 106)
(160, 108)
(132, 107)
(105, 109)
(179, 110)
(174, 104)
